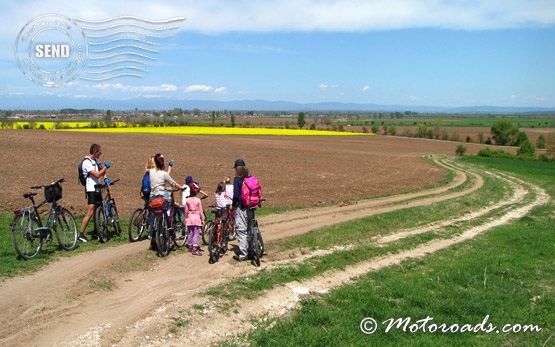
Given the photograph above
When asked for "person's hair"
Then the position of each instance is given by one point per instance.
(94, 148)
(151, 164)
(159, 161)
(220, 188)
(242, 171)
(227, 180)
(192, 192)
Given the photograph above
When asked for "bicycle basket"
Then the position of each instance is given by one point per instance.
(53, 192)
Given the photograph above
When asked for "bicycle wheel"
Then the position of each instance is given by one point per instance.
(26, 240)
(113, 219)
(100, 224)
(65, 229)
(213, 246)
(162, 237)
(138, 223)
(224, 240)
(230, 226)
(260, 240)
(256, 247)
(181, 233)
(204, 232)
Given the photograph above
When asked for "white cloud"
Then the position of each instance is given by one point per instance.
(323, 86)
(201, 88)
(365, 88)
(140, 89)
(198, 88)
(303, 15)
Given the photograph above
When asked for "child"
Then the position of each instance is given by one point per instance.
(185, 194)
(194, 218)
(228, 191)
(221, 198)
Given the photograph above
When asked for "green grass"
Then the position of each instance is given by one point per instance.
(11, 265)
(359, 233)
(506, 274)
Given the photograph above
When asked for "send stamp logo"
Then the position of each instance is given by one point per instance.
(53, 50)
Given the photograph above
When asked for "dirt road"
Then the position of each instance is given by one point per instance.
(99, 299)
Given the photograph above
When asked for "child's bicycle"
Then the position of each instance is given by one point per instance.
(217, 232)
(255, 241)
(106, 217)
(228, 222)
(28, 232)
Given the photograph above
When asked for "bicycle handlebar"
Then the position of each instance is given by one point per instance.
(39, 186)
(102, 185)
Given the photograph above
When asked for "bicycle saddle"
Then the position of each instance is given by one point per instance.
(29, 194)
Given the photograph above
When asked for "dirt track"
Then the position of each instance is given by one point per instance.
(62, 304)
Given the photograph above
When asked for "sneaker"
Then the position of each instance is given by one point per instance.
(82, 238)
(236, 257)
(196, 251)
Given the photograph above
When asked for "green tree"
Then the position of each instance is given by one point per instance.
(527, 149)
(301, 121)
(461, 150)
(108, 118)
(541, 142)
(550, 145)
(504, 132)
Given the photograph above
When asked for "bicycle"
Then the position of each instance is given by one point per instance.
(106, 213)
(139, 222)
(255, 241)
(28, 232)
(217, 231)
(228, 222)
(168, 225)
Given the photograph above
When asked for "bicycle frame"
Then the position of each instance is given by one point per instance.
(106, 214)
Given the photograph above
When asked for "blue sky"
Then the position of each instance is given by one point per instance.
(398, 52)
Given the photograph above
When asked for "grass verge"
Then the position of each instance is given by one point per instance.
(504, 277)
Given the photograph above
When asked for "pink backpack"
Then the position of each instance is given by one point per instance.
(251, 192)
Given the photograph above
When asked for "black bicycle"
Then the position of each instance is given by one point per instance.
(138, 223)
(254, 237)
(106, 219)
(28, 232)
(168, 225)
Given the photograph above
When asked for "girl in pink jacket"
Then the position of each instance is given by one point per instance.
(194, 218)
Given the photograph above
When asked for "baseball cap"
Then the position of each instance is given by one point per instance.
(239, 162)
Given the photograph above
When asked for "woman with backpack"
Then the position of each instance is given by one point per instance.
(241, 172)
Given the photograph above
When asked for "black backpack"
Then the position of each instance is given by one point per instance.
(82, 179)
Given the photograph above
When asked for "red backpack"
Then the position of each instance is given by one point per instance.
(251, 191)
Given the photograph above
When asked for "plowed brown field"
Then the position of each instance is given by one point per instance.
(294, 171)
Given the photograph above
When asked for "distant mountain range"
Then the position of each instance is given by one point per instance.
(52, 102)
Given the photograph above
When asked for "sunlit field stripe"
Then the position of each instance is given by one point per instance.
(196, 130)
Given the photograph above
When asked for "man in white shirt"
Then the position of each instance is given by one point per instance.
(93, 171)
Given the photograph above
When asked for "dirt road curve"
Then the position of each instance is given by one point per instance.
(62, 305)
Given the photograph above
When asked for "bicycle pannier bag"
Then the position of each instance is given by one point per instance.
(53, 192)
(251, 191)
(156, 203)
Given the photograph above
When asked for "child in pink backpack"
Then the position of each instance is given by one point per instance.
(194, 218)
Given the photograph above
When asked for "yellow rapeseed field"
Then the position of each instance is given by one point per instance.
(196, 130)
